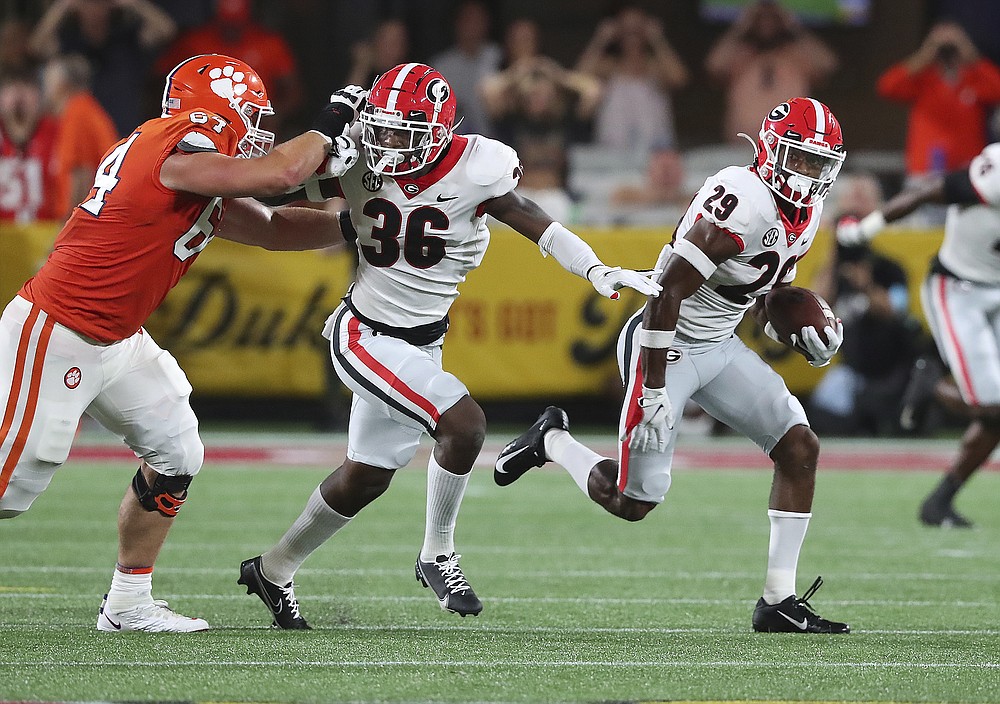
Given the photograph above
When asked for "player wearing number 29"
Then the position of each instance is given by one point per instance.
(419, 202)
(741, 236)
(71, 341)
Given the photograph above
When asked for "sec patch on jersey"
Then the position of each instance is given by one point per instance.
(791, 308)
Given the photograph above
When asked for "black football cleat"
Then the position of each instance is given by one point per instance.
(280, 600)
(919, 393)
(528, 450)
(794, 615)
(936, 512)
(445, 577)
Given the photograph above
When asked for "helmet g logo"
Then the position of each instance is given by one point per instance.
(438, 91)
(227, 83)
(779, 113)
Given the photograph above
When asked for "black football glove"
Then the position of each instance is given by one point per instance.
(340, 112)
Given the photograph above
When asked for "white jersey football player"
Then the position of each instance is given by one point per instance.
(961, 301)
(419, 201)
(742, 235)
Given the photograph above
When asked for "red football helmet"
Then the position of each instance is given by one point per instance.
(800, 150)
(227, 87)
(408, 119)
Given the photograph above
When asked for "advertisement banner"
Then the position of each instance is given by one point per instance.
(247, 322)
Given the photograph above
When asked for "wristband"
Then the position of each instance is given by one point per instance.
(656, 339)
(872, 224)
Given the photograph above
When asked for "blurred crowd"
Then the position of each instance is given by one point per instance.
(597, 136)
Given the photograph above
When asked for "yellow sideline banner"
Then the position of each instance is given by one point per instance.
(246, 322)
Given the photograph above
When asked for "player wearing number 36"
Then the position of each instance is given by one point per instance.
(419, 201)
(71, 341)
(741, 236)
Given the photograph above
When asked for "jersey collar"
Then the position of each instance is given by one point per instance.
(412, 187)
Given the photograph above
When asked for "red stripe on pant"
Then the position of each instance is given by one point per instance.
(963, 368)
(354, 345)
(632, 419)
(31, 402)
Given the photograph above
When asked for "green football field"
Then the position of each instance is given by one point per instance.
(579, 606)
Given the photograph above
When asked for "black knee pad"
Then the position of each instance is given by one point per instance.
(167, 494)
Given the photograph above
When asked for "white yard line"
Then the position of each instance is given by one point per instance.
(618, 664)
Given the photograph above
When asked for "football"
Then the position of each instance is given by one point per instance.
(791, 308)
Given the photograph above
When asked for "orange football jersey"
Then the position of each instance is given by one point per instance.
(130, 242)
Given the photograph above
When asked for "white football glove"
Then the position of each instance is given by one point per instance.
(819, 353)
(343, 155)
(607, 280)
(352, 96)
(852, 232)
(771, 332)
(657, 421)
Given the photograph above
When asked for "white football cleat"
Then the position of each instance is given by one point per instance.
(152, 618)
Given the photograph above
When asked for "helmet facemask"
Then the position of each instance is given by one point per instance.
(416, 143)
(801, 172)
(256, 142)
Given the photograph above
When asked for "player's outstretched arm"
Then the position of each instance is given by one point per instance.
(953, 188)
(279, 229)
(575, 255)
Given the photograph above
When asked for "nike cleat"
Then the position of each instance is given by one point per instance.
(794, 615)
(154, 617)
(934, 512)
(280, 600)
(528, 450)
(445, 577)
(919, 393)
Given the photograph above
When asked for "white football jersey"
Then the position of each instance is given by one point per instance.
(971, 246)
(736, 200)
(418, 238)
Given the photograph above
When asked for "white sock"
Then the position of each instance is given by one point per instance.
(788, 530)
(129, 589)
(315, 525)
(575, 458)
(444, 497)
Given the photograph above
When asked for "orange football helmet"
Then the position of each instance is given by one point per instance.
(227, 87)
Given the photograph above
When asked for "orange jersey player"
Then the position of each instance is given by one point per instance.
(71, 341)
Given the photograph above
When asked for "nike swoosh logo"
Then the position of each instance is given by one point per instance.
(801, 625)
(117, 626)
(443, 199)
(508, 458)
(275, 605)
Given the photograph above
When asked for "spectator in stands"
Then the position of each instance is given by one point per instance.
(234, 32)
(86, 131)
(15, 52)
(631, 56)
(27, 151)
(117, 37)
(520, 41)
(869, 293)
(473, 58)
(951, 90)
(662, 185)
(389, 46)
(764, 57)
(539, 108)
